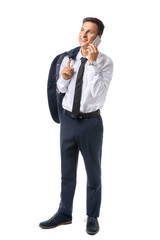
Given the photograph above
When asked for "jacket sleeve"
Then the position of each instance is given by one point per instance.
(51, 91)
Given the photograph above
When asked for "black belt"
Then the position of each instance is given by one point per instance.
(83, 115)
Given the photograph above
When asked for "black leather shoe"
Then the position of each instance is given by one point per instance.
(56, 220)
(92, 226)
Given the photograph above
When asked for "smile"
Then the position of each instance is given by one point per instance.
(84, 40)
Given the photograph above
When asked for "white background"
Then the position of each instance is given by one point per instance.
(33, 32)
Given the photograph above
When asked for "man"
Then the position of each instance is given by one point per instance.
(85, 81)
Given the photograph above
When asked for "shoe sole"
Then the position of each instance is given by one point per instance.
(92, 233)
(64, 223)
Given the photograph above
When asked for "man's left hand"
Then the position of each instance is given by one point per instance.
(92, 52)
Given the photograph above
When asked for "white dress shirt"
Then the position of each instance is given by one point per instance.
(96, 80)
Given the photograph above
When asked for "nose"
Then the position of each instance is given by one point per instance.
(84, 34)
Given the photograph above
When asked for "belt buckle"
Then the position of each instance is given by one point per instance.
(72, 116)
(80, 116)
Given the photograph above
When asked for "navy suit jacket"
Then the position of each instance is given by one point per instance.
(55, 98)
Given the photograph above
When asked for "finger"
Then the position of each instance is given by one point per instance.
(69, 61)
(93, 47)
(68, 72)
(69, 69)
(89, 48)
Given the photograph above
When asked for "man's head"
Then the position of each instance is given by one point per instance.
(90, 29)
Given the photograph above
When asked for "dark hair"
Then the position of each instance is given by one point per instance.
(96, 21)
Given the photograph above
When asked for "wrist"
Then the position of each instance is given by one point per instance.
(93, 63)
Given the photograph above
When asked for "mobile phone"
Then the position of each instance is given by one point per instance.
(97, 40)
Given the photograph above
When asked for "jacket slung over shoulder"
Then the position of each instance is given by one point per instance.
(52, 94)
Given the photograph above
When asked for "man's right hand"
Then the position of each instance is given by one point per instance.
(68, 71)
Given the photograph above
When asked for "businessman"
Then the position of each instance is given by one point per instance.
(84, 80)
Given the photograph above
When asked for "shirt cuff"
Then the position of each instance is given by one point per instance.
(62, 84)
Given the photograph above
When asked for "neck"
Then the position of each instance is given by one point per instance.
(84, 51)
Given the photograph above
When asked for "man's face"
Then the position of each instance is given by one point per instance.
(87, 33)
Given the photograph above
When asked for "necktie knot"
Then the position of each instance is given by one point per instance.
(83, 60)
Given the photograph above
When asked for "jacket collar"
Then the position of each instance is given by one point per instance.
(73, 53)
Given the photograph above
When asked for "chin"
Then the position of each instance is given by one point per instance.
(83, 45)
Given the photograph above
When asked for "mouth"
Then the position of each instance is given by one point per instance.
(84, 40)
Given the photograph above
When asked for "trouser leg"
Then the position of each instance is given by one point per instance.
(69, 160)
(90, 143)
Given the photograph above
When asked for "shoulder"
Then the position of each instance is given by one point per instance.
(104, 61)
(66, 55)
(104, 58)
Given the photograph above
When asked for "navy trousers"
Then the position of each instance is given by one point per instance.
(86, 136)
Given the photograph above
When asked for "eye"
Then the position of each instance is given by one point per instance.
(90, 31)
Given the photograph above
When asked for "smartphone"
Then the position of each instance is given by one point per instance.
(97, 40)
